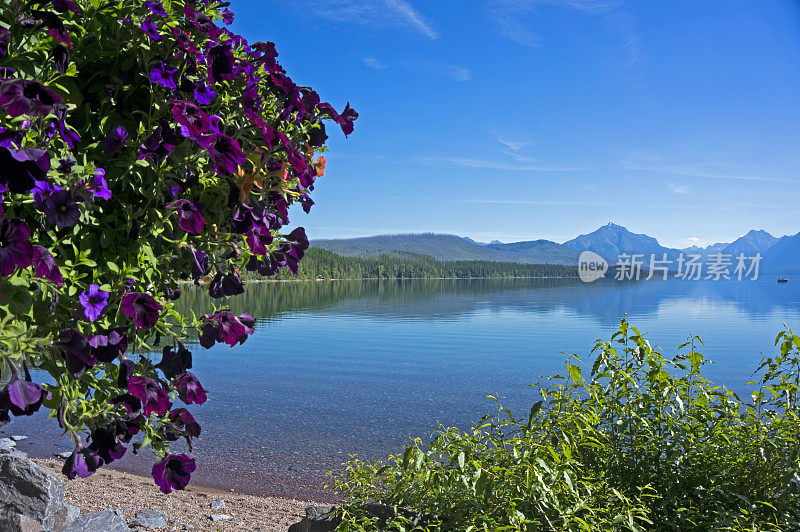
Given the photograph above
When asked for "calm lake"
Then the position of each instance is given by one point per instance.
(357, 367)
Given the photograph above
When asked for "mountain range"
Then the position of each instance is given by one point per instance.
(780, 255)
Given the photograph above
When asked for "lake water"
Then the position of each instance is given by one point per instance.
(357, 367)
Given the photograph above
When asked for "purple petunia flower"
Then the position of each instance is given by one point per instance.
(317, 136)
(81, 463)
(46, 267)
(126, 429)
(153, 397)
(199, 263)
(150, 28)
(258, 239)
(76, 352)
(20, 169)
(105, 444)
(220, 63)
(189, 389)
(22, 397)
(162, 75)
(62, 6)
(67, 134)
(160, 143)
(345, 120)
(203, 94)
(226, 285)
(142, 308)
(126, 367)
(191, 116)
(55, 25)
(115, 139)
(185, 422)
(129, 402)
(173, 472)
(65, 165)
(157, 8)
(93, 301)
(25, 96)
(99, 186)
(108, 345)
(202, 22)
(60, 58)
(226, 155)
(227, 16)
(61, 208)
(175, 361)
(15, 245)
(222, 326)
(189, 217)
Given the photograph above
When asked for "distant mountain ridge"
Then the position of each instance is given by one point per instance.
(780, 255)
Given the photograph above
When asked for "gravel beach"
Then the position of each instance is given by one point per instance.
(185, 510)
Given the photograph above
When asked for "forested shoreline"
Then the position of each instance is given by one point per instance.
(324, 264)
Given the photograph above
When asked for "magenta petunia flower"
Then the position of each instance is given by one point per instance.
(105, 444)
(175, 361)
(227, 16)
(20, 169)
(81, 463)
(226, 155)
(199, 263)
(191, 116)
(153, 397)
(185, 422)
(189, 217)
(46, 267)
(202, 22)
(150, 28)
(189, 389)
(203, 94)
(173, 472)
(226, 285)
(220, 63)
(15, 246)
(22, 397)
(131, 403)
(55, 25)
(109, 345)
(93, 301)
(99, 186)
(157, 8)
(143, 308)
(76, 351)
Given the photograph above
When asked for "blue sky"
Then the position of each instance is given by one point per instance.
(525, 119)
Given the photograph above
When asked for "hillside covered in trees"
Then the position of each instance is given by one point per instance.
(321, 263)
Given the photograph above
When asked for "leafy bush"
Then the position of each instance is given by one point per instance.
(140, 143)
(646, 443)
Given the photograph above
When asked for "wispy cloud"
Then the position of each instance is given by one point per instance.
(455, 72)
(372, 13)
(493, 165)
(710, 171)
(678, 189)
(372, 62)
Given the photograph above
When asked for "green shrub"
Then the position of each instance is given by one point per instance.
(646, 443)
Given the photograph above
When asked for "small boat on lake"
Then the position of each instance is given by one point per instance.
(783, 280)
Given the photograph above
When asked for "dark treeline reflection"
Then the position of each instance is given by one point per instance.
(420, 299)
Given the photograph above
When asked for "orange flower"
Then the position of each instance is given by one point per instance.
(246, 182)
(320, 166)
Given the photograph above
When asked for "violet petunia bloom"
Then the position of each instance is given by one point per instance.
(189, 217)
(162, 75)
(203, 94)
(226, 285)
(126, 367)
(108, 345)
(258, 239)
(93, 301)
(15, 246)
(175, 361)
(157, 8)
(61, 208)
(142, 308)
(67, 134)
(189, 389)
(185, 422)
(55, 26)
(99, 186)
(20, 169)
(153, 397)
(191, 116)
(46, 267)
(199, 264)
(173, 472)
(81, 463)
(25, 96)
(227, 16)
(76, 351)
(60, 58)
(222, 326)
(226, 155)
(149, 27)
(158, 145)
(22, 397)
(126, 429)
(131, 403)
(105, 444)
(65, 165)
(220, 63)
(115, 139)
(202, 22)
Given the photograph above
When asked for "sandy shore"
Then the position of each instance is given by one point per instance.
(185, 510)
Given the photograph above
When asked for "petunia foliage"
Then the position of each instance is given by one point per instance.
(141, 144)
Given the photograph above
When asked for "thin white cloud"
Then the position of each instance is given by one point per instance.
(376, 13)
(465, 162)
(678, 189)
(516, 144)
(373, 62)
(653, 164)
(455, 72)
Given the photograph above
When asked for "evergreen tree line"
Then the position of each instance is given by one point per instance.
(324, 264)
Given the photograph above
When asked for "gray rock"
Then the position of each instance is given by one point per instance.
(105, 521)
(18, 454)
(219, 517)
(218, 505)
(18, 438)
(73, 512)
(63, 454)
(149, 519)
(319, 518)
(19, 523)
(30, 490)
(7, 445)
